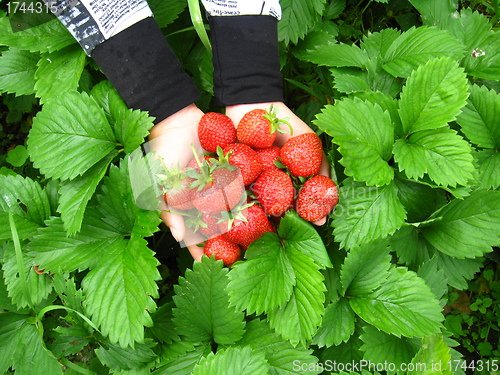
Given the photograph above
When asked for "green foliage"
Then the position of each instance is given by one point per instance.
(405, 96)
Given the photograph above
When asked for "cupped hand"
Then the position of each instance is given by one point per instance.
(173, 140)
(236, 112)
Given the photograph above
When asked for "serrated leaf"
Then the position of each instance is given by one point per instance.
(472, 28)
(280, 353)
(21, 347)
(365, 268)
(434, 276)
(441, 153)
(337, 326)
(27, 201)
(348, 352)
(469, 227)
(334, 55)
(47, 37)
(416, 46)
(17, 71)
(119, 291)
(380, 347)
(184, 364)
(300, 234)
(365, 136)
(298, 319)
(435, 12)
(244, 361)
(297, 17)
(435, 354)
(59, 72)
(484, 59)
(69, 135)
(53, 250)
(351, 81)
(38, 286)
(403, 306)
(165, 12)
(366, 213)
(479, 118)
(76, 193)
(433, 95)
(265, 280)
(117, 358)
(409, 245)
(489, 173)
(202, 305)
(376, 44)
(459, 271)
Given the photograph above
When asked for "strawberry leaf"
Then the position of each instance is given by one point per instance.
(59, 72)
(337, 326)
(265, 280)
(17, 71)
(434, 352)
(468, 228)
(403, 306)
(366, 213)
(202, 305)
(69, 135)
(433, 95)
(244, 361)
(365, 135)
(297, 17)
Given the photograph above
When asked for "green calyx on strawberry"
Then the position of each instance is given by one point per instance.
(317, 198)
(222, 249)
(258, 127)
(176, 192)
(245, 158)
(302, 155)
(215, 130)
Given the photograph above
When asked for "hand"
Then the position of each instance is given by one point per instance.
(172, 139)
(236, 112)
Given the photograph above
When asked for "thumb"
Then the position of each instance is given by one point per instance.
(175, 223)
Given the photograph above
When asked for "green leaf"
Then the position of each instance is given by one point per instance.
(202, 305)
(17, 71)
(433, 95)
(337, 326)
(365, 268)
(441, 153)
(28, 203)
(387, 103)
(117, 358)
(184, 364)
(380, 347)
(489, 173)
(17, 156)
(472, 29)
(416, 46)
(59, 72)
(403, 306)
(484, 61)
(459, 271)
(434, 276)
(298, 319)
(297, 17)
(265, 280)
(366, 213)
(69, 135)
(279, 353)
(365, 136)
(334, 55)
(469, 227)
(21, 347)
(409, 245)
(297, 233)
(479, 118)
(119, 291)
(76, 193)
(242, 361)
(376, 44)
(435, 354)
(47, 37)
(165, 12)
(436, 12)
(39, 286)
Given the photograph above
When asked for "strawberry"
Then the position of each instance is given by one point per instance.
(205, 160)
(274, 191)
(222, 190)
(317, 197)
(258, 127)
(222, 249)
(209, 226)
(244, 232)
(179, 195)
(302, 155)
(268, 156)
(246, 159)
(215, 129)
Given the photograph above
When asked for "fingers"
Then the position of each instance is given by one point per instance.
(175, 223)
(196, 252)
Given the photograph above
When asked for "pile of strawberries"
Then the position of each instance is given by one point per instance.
(244, 183)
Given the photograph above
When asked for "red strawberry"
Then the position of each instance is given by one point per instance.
(302, 155)
(245, 232)
(317, 198)
(178, 195)
(246, 159)
(216, 129)
(274, 191)
(268, 156)
(210, 225)
(258, 128)
(222, 249)
(221, 192)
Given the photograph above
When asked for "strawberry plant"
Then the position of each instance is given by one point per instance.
(404, 98)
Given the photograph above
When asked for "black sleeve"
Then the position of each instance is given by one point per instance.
(246, 59)
(144, 70)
